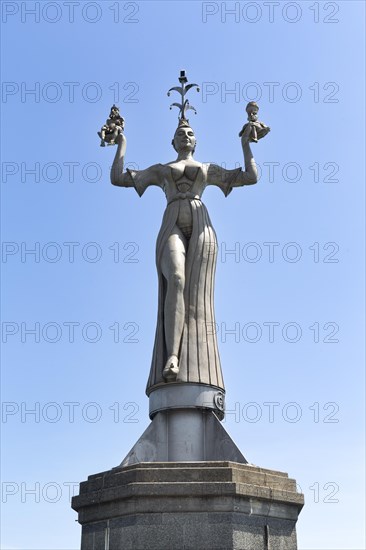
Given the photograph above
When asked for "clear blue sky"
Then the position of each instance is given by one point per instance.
(292, 289)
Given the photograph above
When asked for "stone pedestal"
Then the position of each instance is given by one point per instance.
(188, 506)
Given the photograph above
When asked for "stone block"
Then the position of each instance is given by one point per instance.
(188, 506)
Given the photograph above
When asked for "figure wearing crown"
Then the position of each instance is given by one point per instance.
(112, 128)
(185, 348)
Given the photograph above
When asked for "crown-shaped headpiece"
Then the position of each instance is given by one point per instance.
(184, 106)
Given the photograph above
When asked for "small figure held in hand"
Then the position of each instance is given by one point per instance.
(253, 130)
(113, 127)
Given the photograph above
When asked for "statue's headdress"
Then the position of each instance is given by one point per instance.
(184, 106)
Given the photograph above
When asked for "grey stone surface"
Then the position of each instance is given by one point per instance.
(186, 434)
(188, 506)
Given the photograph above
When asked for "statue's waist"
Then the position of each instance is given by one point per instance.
(181, 196)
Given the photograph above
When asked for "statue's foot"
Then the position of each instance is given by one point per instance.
(171, 368)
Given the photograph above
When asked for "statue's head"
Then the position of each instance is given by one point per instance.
(252, 109)
(184, 138)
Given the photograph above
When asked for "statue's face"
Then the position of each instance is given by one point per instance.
(184, 139)
(253, 114)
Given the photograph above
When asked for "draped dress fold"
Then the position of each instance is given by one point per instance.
(199, 359)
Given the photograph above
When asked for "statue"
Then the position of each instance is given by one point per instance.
(113, 127)
(253, 130)
(185, 483)
(185, 348)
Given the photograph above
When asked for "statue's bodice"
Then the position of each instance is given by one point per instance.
(180, 182)
(185, 179)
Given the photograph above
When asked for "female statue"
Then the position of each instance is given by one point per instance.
(185, 348)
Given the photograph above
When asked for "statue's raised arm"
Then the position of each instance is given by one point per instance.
(118, 177)
(252, 131)
(227, 179)
(139, 179)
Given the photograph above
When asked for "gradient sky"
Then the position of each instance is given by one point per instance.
(290, 274)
